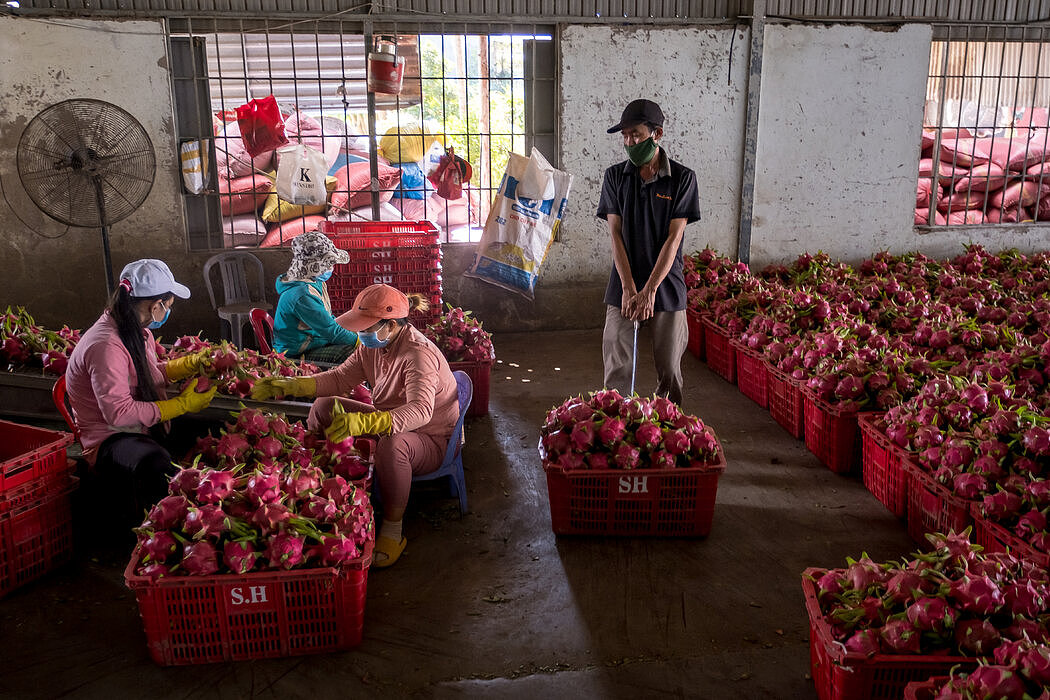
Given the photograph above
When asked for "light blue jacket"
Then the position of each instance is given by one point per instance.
(303, 320)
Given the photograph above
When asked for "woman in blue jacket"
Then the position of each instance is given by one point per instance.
(303, 325)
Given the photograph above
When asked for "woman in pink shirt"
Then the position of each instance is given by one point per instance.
(415, 401)
(115, 384)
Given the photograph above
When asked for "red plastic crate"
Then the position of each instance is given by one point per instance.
(696, 333)
(266, 614)
(721, 357)
(36, 537)
(831, 433)
(997, 538)
(924, 690)
(881, 466)
(390, 266)
(350, 235)
(480, 374)
(30, 457)
(424, 282)
(752, 377)
(786, 405)
(932, 507)
(341, 303)
(638, 502)
(842, 675)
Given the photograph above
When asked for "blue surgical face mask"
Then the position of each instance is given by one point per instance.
(154, 325)
(324, 276)
(370, 339)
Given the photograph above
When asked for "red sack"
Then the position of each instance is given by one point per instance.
(450, 174)
(262, 126)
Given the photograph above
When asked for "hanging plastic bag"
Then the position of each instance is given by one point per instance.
(301, 175)
(450, 174)
(261, 125)
(194, 157)
(520, 228)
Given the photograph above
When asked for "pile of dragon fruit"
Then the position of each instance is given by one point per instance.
(262, 495)
(605, 430)
(235, 371)
(1021, 671)
(954, 351)
(25, 344)
(953, 600)
(460, 337)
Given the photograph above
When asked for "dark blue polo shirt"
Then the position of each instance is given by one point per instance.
(646, 210)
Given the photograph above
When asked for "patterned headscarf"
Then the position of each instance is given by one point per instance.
(313, 253)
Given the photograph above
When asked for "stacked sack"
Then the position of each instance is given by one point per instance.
(996, 179)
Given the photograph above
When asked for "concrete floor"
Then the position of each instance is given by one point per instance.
(493, 604)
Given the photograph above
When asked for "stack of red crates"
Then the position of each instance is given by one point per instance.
(402, 254)
(36, 518)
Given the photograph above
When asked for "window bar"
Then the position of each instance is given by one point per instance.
(960, 92)
(935, 166)
(1036, 77)
(977, 124)
(444, 110)
(999, 95)
(373, 145)
(1013, 120)
(346, 105)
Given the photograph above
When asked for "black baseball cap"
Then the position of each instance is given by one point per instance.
(639, 112)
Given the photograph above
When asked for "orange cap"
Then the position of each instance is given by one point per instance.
(373, 304)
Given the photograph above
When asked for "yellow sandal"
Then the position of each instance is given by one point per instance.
(390, 550)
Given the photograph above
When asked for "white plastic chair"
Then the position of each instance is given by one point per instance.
(239, 298)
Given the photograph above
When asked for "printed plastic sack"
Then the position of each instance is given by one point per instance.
(525, 215)
(301, 174)
(261, 125)
(194, 157)
(450, 174)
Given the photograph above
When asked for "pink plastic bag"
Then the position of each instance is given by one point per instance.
(262, 126)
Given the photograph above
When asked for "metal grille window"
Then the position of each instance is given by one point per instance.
(482, 94)
(984, 141)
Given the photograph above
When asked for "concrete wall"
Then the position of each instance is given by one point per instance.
(837, 155)
(59, 274)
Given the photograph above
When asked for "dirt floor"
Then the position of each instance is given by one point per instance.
(492, 603)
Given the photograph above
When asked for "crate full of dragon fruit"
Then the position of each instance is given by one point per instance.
(629, 466)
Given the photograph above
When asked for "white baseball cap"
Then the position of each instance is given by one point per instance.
(150, 278)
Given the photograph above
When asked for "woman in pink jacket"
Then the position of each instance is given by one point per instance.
(415, 401)
(115, 384)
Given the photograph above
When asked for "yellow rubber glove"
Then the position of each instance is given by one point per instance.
(277, 387)
(188, 365)
(345, 424)
(189, 401)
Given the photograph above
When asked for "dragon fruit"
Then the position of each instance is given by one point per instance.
(612, 430)
(598, 460)
(662, 459)
(264, 488)
(185, 482)
(969, 486)
(903, 586)
(232, 447)
(977, 594)
(862, 574)
(205, 521)
(199, 559)
(336, 550)
(1024, 598)
(158, 546)
(1030, 524)
(572, 461)
(215, 486)
(284, 550)
(269, 515)
(901, 637)
(252, 422)
(1034, 664)
(976, 637)
(269, 446)
(582, 436)
(1001, 505)
(676, 442)
(168, 513)
(240, 556)
(302, 481)
(864, 642)
(336, 489)
(996, 682)
(627, 456)
(931, 614)
(321, 509)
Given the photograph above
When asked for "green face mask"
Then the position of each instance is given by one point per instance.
(641, 153)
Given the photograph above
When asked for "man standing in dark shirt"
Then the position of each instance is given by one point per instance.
(647, 200)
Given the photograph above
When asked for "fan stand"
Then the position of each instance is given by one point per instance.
(87, 160)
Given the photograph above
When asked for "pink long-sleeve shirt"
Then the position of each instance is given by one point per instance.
(100, 384)
(410, 378)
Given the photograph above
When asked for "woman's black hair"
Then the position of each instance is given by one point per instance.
(122, 307)
(416, 302)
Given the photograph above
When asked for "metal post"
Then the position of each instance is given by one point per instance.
(754, 91)
(373, 145)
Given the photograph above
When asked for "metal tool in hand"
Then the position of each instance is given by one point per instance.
(634, 357)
